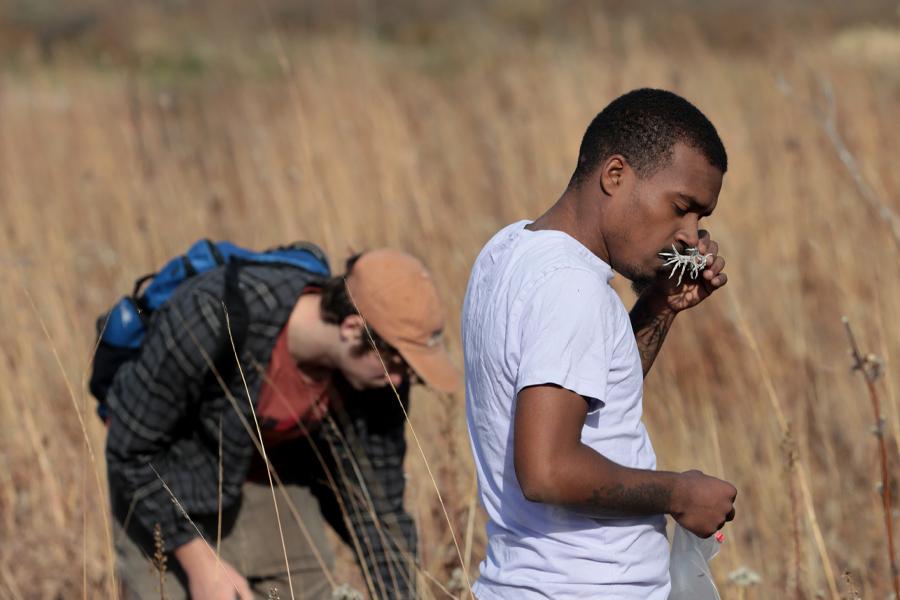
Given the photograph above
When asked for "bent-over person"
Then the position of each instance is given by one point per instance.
(331, 424)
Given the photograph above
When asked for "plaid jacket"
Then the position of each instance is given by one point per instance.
(167, 412)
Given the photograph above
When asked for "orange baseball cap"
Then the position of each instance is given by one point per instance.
(396, 296)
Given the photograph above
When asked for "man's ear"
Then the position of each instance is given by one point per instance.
(352, 329)
(612, 174)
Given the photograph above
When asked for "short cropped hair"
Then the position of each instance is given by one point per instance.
(643, 126)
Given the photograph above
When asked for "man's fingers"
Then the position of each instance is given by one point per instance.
(728, 517)
(704, 242)
(715, 267)
(708, 247)
(246, 591)
(714, 282)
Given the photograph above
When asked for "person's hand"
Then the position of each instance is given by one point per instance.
(219, 582)
(691, 292)
(702, 504)
(208, 578)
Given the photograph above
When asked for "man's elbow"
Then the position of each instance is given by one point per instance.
(537, 479)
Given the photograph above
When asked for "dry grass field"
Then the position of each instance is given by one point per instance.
(128, 132)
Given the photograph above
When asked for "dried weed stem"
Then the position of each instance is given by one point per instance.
(795, 574)
(287, 565)
(437, 489)
(160, 559)
(800, 475)
(871, 368)
(110, 558)
(852, 593)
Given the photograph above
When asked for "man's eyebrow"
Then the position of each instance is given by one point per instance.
(695, 204)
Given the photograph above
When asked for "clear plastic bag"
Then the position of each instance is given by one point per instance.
(689, 566)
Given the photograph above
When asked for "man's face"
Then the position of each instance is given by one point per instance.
(648, 215)
(360, 363)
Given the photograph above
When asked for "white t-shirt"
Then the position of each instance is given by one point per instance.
(539, 310)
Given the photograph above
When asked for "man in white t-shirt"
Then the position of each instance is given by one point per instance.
(555, 364)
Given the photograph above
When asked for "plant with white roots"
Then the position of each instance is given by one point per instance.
(691, 259)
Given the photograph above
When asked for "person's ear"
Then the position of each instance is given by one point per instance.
(352, 329)
(612, 174)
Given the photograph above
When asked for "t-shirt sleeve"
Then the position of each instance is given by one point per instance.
(565, 334)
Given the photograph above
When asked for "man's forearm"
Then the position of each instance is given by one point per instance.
(650, 321)
(612, 490)
(589, 483)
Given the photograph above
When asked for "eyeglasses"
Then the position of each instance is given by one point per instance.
(382, 347)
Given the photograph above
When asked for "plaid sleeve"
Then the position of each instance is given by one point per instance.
(148, 401)
(368, 447)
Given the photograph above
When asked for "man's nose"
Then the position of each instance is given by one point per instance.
(395, 360)
(689, 235)
(395, 363)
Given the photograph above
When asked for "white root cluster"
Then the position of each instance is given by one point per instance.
(681, 262)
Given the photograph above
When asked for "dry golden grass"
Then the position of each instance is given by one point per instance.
(430, 139)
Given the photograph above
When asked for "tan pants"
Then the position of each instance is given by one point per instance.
(252, 546)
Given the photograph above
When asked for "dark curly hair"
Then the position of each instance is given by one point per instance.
(644, 126)
(336, 304)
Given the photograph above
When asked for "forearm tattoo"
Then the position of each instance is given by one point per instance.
(650, 329)
(640, 499)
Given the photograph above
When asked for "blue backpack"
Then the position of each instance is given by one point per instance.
(122, 329)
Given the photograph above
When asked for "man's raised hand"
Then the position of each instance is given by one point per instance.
(693, 291)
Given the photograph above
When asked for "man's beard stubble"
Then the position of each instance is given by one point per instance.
(640, 279)
(641, 283)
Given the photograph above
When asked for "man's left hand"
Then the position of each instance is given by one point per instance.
(692, 292)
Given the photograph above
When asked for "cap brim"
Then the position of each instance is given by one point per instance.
(432, 364)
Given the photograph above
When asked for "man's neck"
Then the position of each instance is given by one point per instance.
(578, 216)
(311, 340)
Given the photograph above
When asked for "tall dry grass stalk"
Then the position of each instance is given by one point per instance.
(429, 135)
(160, 560)
(363, 501)
(871, 368)
(851, 593)
(265, 457)
(421, 450)
(798, 480)
(197, 530)
(794, 587)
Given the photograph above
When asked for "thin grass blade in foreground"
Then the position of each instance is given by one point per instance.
(111, 558)
(234, 404)
(462, 562)
(362, 492)
(784, 426)
(184, 514)
(262, 446)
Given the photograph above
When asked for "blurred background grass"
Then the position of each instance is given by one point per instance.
(128, 130)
